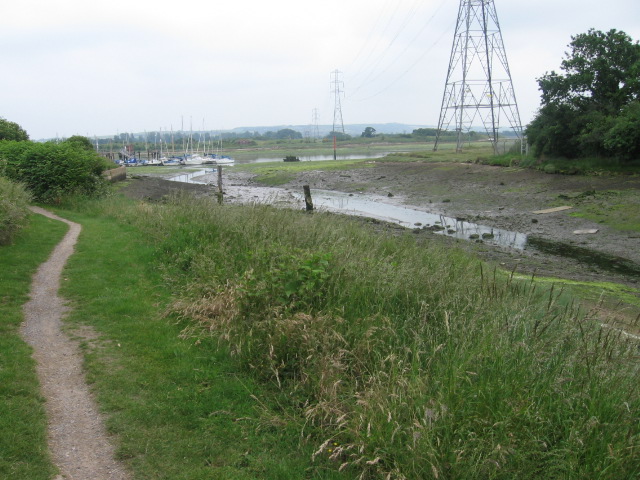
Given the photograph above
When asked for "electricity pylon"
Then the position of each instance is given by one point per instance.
(315, 132)
(479, 87)
(338, 92)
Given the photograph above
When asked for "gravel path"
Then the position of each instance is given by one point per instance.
(78, 441)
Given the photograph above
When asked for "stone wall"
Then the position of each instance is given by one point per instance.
(116, 174)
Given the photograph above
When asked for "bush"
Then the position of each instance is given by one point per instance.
(51, 171)
(14, 208)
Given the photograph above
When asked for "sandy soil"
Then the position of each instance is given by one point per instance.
(78, 441)
(495, 196)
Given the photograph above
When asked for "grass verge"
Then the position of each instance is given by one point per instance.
(181, 408)
(296, 334)
(23, 427)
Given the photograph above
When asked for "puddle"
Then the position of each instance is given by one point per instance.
(368, 206)
(192, 176)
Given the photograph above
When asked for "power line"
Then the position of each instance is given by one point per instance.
(373, 29)
(369, 79)
(374, 49)
(405, 72)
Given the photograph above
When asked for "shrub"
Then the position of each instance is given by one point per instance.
(14, 208)
(51, 171)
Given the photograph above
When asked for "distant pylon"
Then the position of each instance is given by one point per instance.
(338, 87)
(315, 130)
(479, 87)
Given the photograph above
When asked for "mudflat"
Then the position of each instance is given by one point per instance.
(596, 239)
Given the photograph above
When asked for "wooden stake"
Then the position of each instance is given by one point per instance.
(307, 198)
(220, 194)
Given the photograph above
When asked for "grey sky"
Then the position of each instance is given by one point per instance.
(97, 68)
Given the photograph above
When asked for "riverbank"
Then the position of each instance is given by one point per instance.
(499, 197)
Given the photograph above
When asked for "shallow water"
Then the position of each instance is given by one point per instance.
(374, 207)
(370, 206)
(311, 158)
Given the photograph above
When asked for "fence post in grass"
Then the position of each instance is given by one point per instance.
(220, 194)
(307, 198)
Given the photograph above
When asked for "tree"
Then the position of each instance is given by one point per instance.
(425, 132)
(339, 136)
(287, 133)
(80, 142)
(586, 109)
(12, 131)
(369, 132)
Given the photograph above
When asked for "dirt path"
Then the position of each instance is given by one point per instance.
(78, 441)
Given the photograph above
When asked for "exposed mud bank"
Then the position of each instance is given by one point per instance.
(502, 198)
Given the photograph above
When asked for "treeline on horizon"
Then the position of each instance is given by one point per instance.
(153, 139)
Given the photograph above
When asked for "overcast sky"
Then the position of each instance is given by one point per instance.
(100, 67)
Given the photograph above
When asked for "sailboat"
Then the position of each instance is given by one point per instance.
(219, 159)
(191, 158)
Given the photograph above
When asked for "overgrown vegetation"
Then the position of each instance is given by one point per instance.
(52, 171)
(14, 208)
(393, 359)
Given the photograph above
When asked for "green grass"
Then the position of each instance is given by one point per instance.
(384, 357)
(23, 447)
(181, 408)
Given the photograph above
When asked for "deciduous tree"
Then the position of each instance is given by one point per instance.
(12, 131)
(586, 110)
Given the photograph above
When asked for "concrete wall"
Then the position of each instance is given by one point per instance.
(116, 174)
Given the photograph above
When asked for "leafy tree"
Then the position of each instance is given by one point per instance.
(339, 136)
(80, 141)
(12, 131)
(425, 132)
(369, 132)
(287, 133)
(586, 109)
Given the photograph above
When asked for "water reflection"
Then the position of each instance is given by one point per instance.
(310, 158)
(372, 207)
(368, 206)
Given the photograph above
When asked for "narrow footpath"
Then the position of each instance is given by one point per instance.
(78, 440)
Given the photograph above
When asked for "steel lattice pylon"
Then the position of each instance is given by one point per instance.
(479, 86)
(338, 87)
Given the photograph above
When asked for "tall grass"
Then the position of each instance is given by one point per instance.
(399, 359)
(14, 209)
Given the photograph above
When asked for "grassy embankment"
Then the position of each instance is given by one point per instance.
(23, 452)
(287, 334)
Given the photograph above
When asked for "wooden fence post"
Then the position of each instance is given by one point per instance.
(307, 198)
(220, 194)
